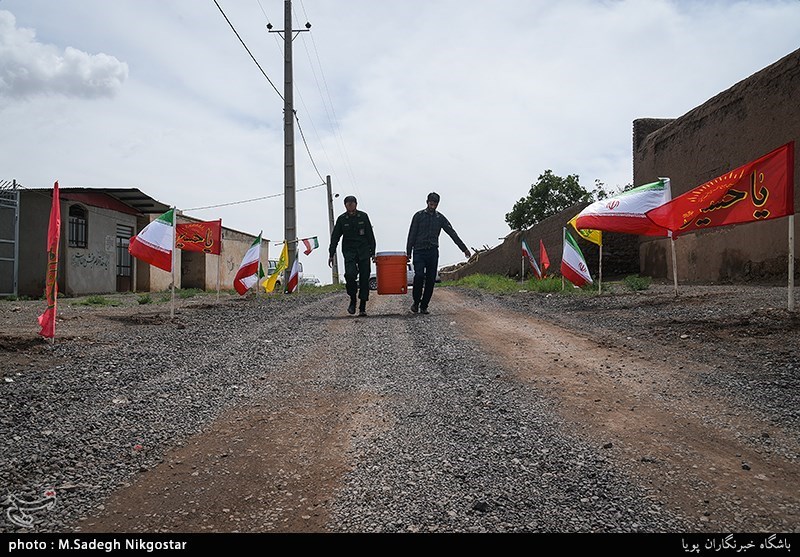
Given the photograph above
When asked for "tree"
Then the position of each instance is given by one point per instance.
(549, 196)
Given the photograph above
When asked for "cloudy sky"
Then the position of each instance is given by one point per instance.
(474, 99)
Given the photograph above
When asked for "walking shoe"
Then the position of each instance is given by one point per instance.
(362, 309)
(362, 313)
(351, 309)
(415, 307)
(424, 311)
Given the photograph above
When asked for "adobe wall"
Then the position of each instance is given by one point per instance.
(733, 128)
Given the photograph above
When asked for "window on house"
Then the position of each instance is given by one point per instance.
(77, 227)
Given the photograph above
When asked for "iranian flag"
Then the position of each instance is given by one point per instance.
(154, 243)
(294, 276)
(311, 244)
(247, 275)
(573, 265)
(528, 254)
(626, 212)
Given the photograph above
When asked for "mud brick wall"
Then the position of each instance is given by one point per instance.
(733, 128)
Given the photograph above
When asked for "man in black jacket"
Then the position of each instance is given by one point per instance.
(358, 247)
(423, 243)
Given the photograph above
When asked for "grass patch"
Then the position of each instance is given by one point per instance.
(144, 299)
(493, 283)
(95, 301)
(635, 282)
(549, 284)
(184, 293)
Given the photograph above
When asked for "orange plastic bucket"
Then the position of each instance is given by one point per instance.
(391, 271)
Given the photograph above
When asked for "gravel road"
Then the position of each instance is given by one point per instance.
(526, 412)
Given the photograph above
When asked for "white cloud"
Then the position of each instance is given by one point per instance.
(29, 68)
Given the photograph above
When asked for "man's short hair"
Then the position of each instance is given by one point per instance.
(350, 198)
(433, 196)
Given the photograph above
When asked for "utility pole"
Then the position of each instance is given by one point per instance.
(335, 271)
(289, 209)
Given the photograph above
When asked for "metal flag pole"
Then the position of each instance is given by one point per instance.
(674, 263)
(600, 273)
(174, 249)
(791, 262)
(563, 243)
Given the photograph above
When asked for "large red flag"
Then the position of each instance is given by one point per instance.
(47, 320)
(199, 236)
(760, 190)
(543, 257)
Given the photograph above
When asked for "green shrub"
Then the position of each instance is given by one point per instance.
(635, 282)
(144, 299)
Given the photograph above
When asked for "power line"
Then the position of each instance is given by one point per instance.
(251, 200)
(248, 50)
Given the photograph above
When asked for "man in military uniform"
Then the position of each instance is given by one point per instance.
(358, 247)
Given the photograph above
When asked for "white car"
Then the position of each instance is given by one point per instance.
(373, 278)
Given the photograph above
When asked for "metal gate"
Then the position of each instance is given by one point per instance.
(9, 237)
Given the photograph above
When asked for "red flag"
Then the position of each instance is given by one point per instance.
(543, 257)
(760, 190)
(200, 236)
(47, 320)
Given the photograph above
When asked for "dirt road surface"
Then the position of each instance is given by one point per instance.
(633, 384)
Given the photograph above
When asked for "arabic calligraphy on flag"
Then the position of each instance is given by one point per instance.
(760, 190)
(205, 236)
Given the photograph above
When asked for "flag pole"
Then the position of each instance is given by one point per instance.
(791, 262)
(600, 278)
(563, 241)
(522, 274)
(674, 264)
(219, 259)
(174, 248)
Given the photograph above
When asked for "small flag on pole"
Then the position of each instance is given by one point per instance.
(528, 254)
(47, 320)
(543, 258)
(573, 265)
(294, 277)
(247, 275)
(153, 244)
(311, 244)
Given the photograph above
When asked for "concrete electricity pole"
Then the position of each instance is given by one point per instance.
(289, 209)
(335, 271)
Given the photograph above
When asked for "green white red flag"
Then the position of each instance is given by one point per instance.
(47, 320)
(573, 264)
(247, 275)
(626, 212)
(153, 244)
(528, 254)
(760, 190)
(311, 244)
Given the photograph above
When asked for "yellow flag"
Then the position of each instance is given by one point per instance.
(269, 284)
(594, 236)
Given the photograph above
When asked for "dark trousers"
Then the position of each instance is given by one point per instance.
(356, 276)
(426, 262)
